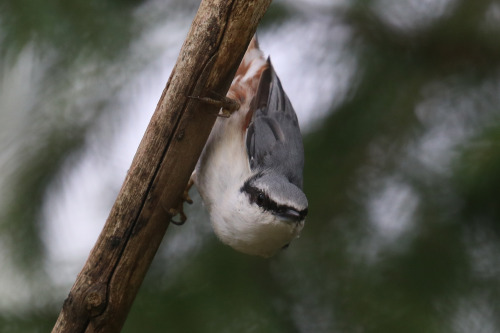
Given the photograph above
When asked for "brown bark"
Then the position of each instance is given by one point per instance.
(104, 290)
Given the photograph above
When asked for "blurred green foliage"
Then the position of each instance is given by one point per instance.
(98, 25)
(97, 29)
(401, 176)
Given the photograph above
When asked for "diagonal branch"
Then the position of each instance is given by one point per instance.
(104, 290)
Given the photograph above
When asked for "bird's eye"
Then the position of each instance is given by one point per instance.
(260, 199)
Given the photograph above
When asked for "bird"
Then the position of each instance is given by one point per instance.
(250, 172)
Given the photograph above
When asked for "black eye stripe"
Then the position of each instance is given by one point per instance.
(255, 195)
(262, 200)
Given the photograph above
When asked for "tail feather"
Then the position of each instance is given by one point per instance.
(252, 54)
(246, 80)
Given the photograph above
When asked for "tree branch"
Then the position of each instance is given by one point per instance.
(104, 290)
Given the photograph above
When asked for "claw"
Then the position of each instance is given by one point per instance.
(227, 105)
(180, 209)
(181, 213)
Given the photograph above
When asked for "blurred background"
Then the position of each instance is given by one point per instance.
(399, 103)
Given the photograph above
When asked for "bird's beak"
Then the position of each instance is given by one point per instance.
(290, 215)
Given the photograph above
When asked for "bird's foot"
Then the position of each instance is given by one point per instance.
(228, 105)
(180, 209)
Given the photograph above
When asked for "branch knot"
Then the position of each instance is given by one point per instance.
(96, 300)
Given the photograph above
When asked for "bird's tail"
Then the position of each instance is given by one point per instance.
(253, 58)
(246, 81)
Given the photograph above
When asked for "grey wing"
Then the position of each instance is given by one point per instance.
(273, 138)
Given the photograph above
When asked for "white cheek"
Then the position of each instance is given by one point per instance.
(249, 229)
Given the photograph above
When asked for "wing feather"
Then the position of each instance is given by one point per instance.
(273, 137)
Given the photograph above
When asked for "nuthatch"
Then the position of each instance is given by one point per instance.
(249, 174)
